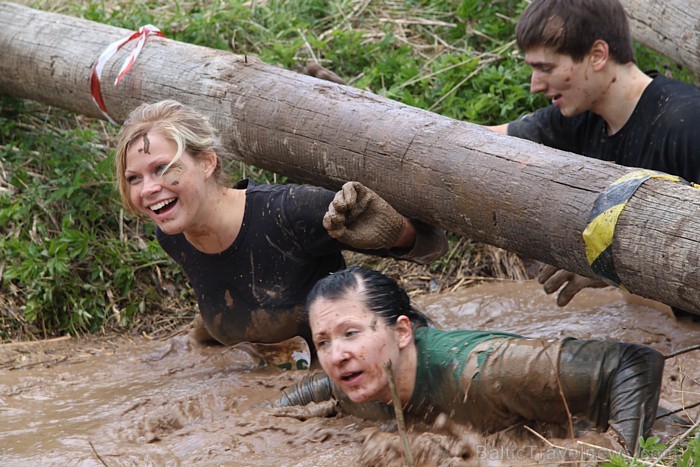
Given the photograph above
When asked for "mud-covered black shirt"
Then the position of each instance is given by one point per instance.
(255, 290)
(663, 132)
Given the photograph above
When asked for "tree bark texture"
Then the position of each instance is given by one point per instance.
(671, 27)
(495, 189)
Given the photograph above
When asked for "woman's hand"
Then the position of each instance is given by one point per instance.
(360, 218)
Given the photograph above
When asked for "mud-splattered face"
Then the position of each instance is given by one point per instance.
(172, 197)
(569, 85)
(353, 346)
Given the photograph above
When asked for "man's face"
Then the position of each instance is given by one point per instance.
(569, 85)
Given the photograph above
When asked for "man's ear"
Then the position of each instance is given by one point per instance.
(599, 55)
(404, 331)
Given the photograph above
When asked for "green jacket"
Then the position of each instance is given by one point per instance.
(441, 384)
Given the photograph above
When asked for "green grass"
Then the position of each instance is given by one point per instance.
(70, 263)
(654, 452)
(71, 259)
(65, 265)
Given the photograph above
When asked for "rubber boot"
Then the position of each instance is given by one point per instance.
(616, 385)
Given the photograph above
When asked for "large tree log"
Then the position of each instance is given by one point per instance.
(495, 189)
(671, 27)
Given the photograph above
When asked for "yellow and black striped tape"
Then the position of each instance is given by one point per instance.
(600, 231)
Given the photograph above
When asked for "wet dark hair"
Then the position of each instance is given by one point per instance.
(571, 27)
(381, 294)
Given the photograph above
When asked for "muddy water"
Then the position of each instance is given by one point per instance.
(140, 402)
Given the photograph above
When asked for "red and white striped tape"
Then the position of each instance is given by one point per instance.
(95, 87)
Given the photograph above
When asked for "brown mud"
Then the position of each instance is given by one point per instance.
(120, 401)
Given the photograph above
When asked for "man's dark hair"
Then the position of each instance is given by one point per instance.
(571, 27)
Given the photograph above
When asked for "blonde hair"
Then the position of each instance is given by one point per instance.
(187, 128)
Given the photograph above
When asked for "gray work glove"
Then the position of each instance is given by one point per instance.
(553, 278)
(360, 218)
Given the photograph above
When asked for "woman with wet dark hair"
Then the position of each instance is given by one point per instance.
(361, 320)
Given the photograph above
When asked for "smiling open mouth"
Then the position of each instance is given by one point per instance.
(163, 206)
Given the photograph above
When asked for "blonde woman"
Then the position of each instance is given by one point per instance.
(251, 252)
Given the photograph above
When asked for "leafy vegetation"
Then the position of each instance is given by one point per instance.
(67, 264)
(69, 256)
(654, 452)
(74, 263)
